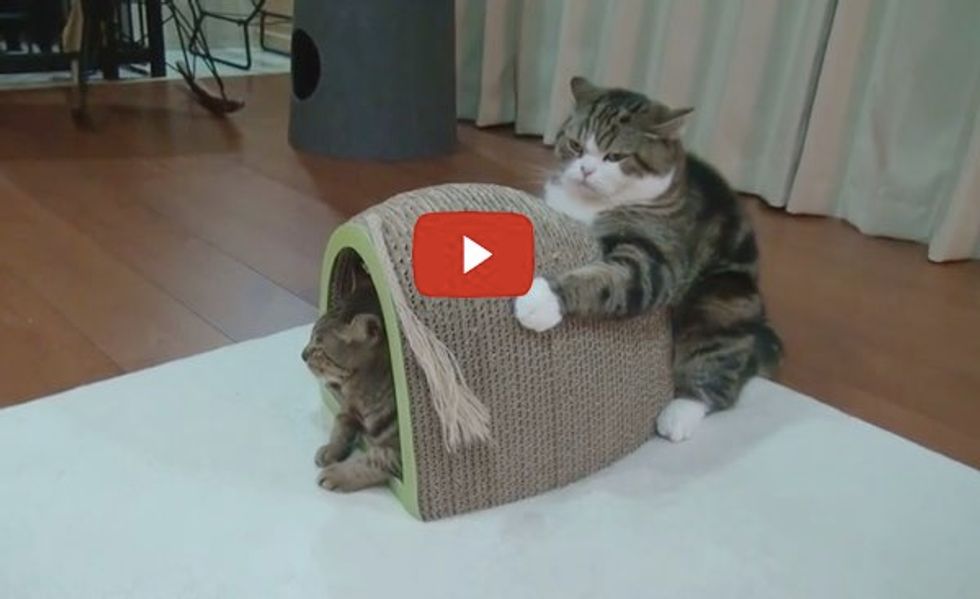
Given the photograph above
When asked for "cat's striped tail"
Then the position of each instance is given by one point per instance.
(769, 350)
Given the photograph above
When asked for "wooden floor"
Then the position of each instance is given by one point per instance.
(163, 232)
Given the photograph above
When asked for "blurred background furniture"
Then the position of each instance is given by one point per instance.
(132, 32)
(275, 26)
(271, 19)
(242, 21)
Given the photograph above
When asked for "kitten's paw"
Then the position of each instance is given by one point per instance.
(335, 478)
(328, 454)
(679, 419)
(539, 309)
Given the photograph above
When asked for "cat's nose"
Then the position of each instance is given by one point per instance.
(586, 171)
(305, 354)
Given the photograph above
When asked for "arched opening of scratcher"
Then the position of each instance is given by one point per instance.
(351, 244)
(348, 274)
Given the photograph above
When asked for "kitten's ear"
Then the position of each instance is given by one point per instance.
(362, 280)
(367, 327)
(670, 122)
(355, 277)
(584, 91)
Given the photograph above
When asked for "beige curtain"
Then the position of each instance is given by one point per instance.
(790, 97)
(893, 142)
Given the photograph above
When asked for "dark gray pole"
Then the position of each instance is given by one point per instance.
(373, 79)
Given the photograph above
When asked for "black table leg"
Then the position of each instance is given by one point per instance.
(154, 26)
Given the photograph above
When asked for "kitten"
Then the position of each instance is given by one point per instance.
(672, 234)
(348, 351)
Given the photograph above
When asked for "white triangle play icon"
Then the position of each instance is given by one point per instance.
(474, 254)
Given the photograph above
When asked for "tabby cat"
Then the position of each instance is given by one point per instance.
(349, 353)
(672, 234)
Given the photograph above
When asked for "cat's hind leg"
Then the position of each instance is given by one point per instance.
(369, 469)
(708, 376)
(680, 418)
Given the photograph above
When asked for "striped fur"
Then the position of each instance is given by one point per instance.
(690, 248)
(348, 351)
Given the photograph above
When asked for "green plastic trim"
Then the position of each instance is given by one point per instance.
(355, 237)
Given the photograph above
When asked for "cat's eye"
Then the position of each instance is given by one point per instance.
(319, 339)
(615, 157)
(575, 146)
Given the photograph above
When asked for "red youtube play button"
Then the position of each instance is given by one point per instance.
(473, 254)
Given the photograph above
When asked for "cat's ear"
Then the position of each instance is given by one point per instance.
(670, 122)
(584, 91)
(367, 327)
(355, 277)
(362, 280)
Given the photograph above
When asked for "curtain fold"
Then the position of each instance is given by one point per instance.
(852, 109)
(893, 141)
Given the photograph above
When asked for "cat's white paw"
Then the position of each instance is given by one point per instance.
(679, 419)
(539, 309)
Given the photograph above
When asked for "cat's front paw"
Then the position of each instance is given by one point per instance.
(336, 478)
(679, 419)
(328, 454)
(539, 309)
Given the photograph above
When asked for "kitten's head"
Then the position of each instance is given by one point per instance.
(338, 348)
(348, 337)
(618, 146)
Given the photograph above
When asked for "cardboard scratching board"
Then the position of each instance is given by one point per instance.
(561, 404)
